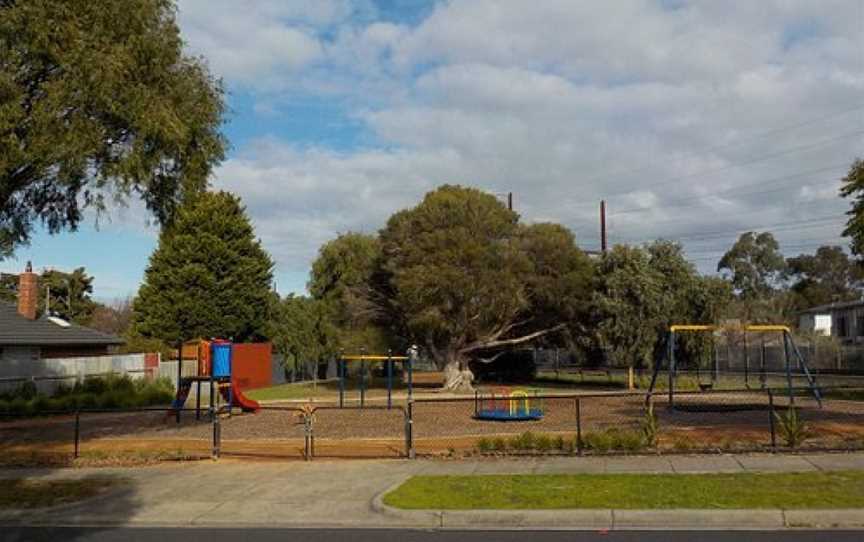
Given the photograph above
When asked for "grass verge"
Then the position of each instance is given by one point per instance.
(842, 489)
(21, 493)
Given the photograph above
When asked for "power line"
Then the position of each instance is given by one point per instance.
(742, 215)
(737, 142)
(766, 182)
(783, 226)
(745, 163)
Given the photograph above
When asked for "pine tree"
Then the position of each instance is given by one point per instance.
(209, 276)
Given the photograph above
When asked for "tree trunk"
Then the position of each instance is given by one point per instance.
(457, 376)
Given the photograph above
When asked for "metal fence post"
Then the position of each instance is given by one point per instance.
(77, 431)
(578, 426)
(217, 434)
(362, 384)
(771, 420)
(409, 430)
(389, 379)
(340, 370)
(309, 437)
(306, 451)
(557, 364)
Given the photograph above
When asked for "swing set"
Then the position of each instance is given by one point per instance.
(791, 366)
(366, 362)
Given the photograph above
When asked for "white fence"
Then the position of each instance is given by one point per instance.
(48, 374)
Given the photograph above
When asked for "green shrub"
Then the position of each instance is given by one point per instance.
(121, 383)
(683, 445)
(650, 426)
(86, 400)
(498, 444)
(40, 404)
(599, 441)
(27, 390)
(543, 443)
(484, 445)
(559, 443)
(62, 390)
(613, 439)
(110, 399)
(630, 441)
(152, 395)
(525, 441)
(792, 428)
(20, 406)
(94, 385)
(68, 403)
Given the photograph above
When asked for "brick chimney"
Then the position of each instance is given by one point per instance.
(28, 293)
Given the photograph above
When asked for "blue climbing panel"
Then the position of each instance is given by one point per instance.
(221, 360)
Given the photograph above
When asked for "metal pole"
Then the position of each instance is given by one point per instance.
(578, 426)
(198, 400)
(389, 378)
(603, 226)
(814, 388)
(307, 440)
(340, 370)
(671, 368)
(409, 431)
(716, 371)
(412, 352)
(476, 403)
(179, 376)
(771, 419)
(217, 434)
(212, 396)
(77, 432)
(788, 369)
(746, 361)
(762, 379)
(362, 383)
(557, 363)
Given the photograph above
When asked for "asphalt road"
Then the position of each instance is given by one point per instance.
(96, 534)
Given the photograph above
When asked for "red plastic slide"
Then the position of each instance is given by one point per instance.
(238, 399)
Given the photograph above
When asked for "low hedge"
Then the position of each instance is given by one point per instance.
(94, 393)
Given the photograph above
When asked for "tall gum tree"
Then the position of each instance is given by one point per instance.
(98, 101)
(463, 281)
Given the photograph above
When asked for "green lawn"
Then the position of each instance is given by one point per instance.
(42, 493)
(843, 489)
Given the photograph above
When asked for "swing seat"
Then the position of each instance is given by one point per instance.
(706, 386)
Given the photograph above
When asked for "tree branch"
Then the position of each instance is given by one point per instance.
(493, 358)
(510, 342)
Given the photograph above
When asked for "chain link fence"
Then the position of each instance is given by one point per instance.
(738, 420)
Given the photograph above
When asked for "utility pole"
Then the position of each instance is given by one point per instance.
(510, 201)
(603, 225)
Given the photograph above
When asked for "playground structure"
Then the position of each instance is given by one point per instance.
(220, 365)
(790, 367)
(366, 364)
(507, 405)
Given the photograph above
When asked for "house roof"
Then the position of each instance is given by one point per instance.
(833, 307)
(17, 330)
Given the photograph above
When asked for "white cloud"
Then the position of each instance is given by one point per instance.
(559, 101)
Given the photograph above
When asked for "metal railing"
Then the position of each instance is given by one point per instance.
(596, 423)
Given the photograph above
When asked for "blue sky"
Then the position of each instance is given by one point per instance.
(694, 120)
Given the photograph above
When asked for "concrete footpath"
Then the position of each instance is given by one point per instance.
(348, 494)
